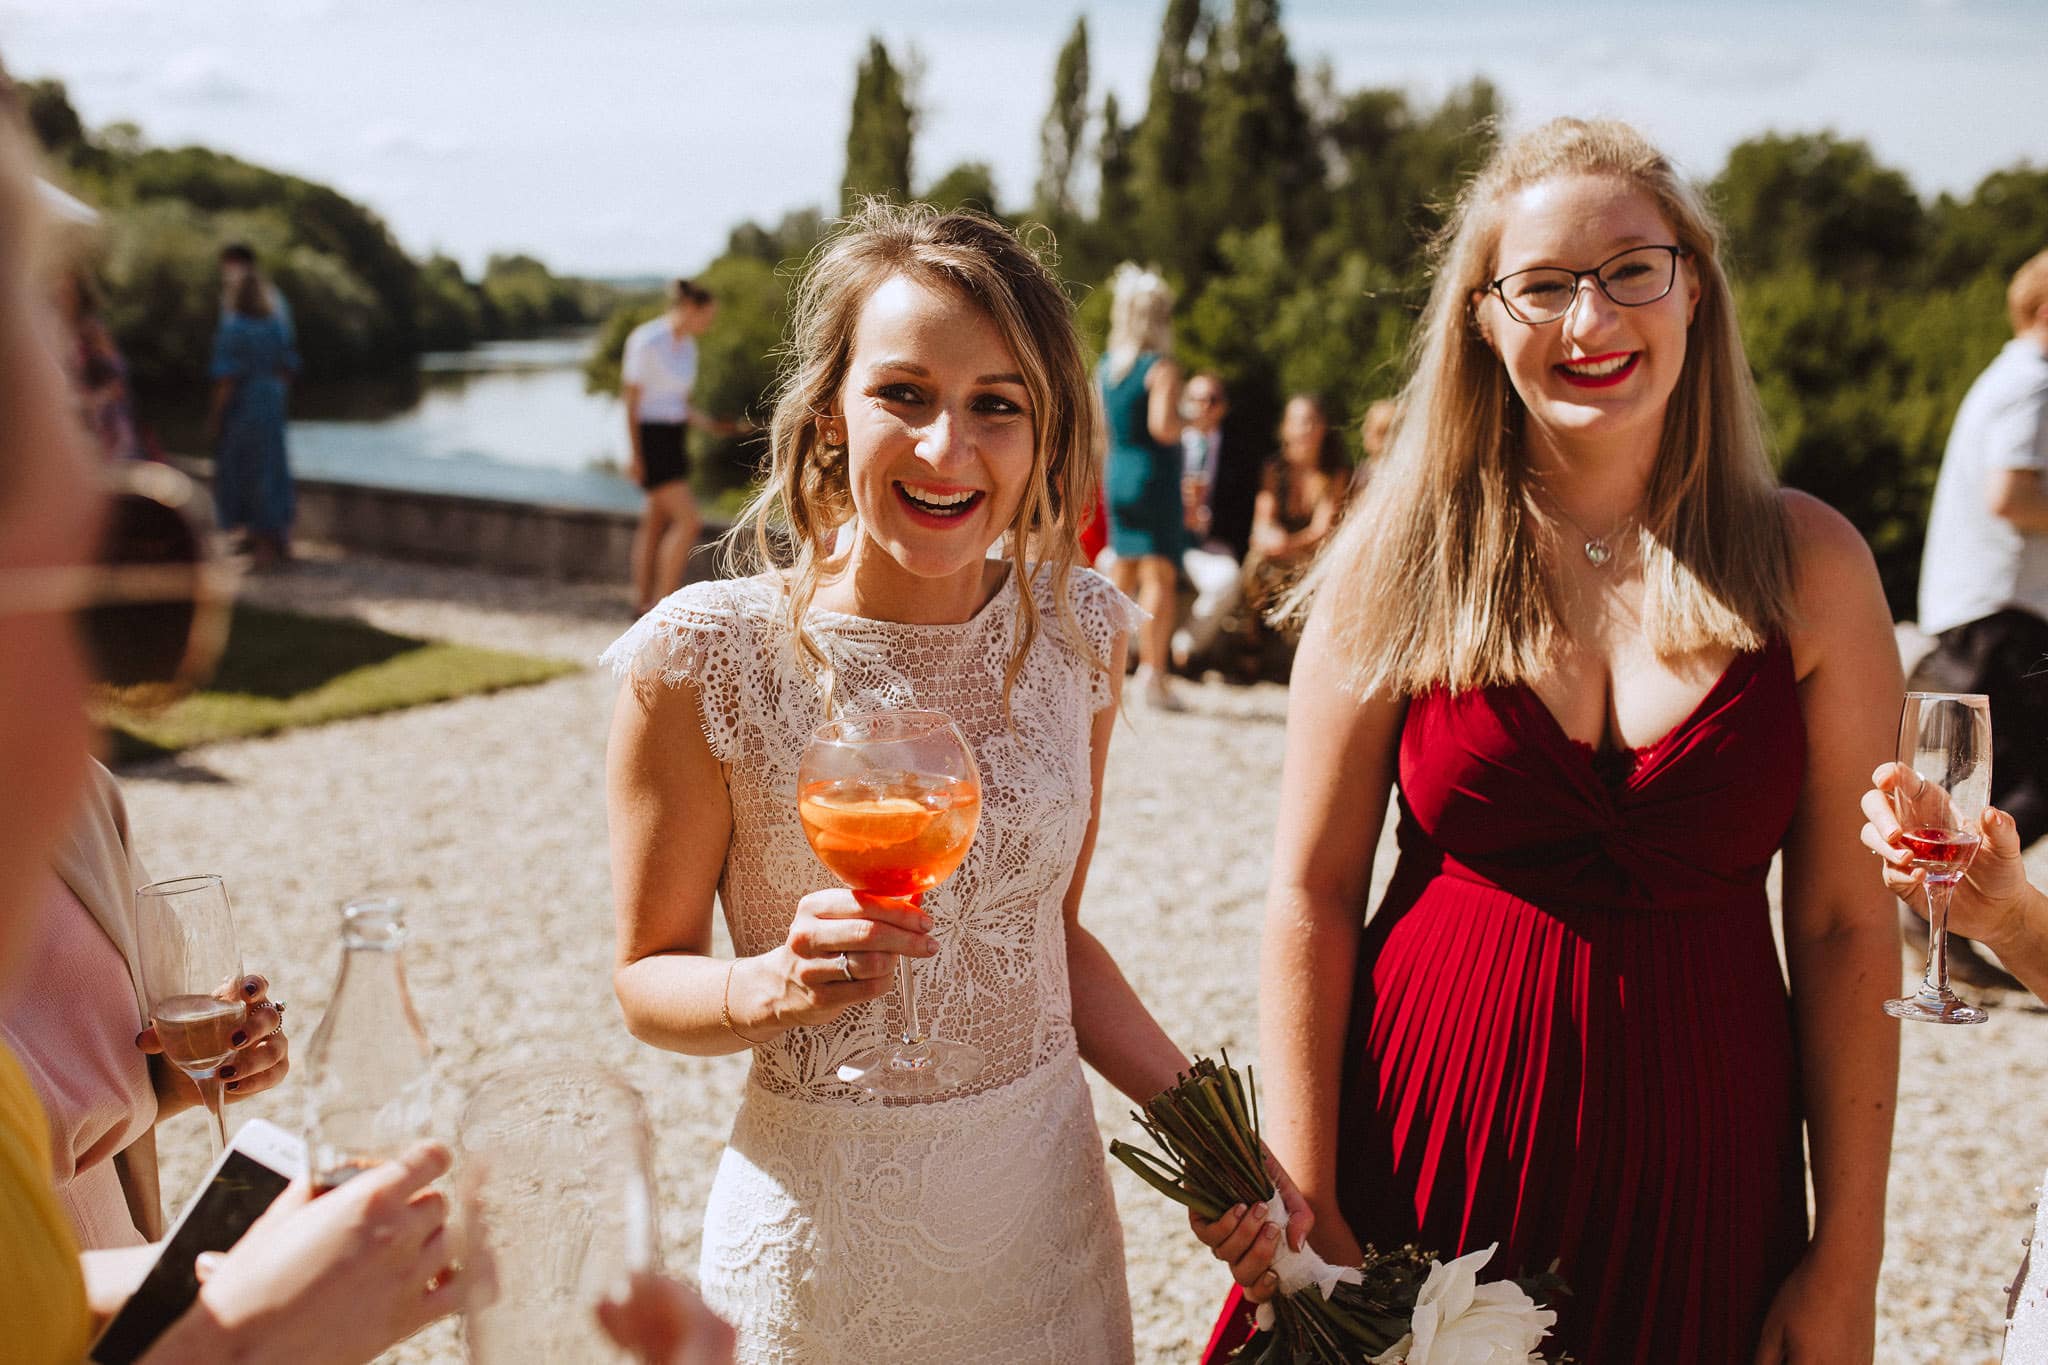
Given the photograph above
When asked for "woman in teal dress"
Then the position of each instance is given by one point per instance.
(1147, 521)
(253, 365)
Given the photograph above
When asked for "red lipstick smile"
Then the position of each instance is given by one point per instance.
(1606, 373)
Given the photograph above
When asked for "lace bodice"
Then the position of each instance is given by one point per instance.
(1000, 978)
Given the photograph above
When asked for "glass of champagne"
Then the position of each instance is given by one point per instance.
(192, 974)
(1945, 738)
(889, 802)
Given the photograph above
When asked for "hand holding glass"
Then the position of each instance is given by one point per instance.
(890, 802)
(1945, 738)
(191, 971)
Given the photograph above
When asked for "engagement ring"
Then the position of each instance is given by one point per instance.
(845, 967)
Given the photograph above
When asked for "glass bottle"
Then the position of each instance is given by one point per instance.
(368, 1084)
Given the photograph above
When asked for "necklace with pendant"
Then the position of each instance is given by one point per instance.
(1599, 553)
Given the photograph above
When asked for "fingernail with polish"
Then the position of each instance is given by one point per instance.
(227, 1073)
(249, 986)
(238, 1039)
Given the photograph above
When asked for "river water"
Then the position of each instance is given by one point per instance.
(508, 419)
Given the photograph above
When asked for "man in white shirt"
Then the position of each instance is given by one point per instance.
(656, 375)
(1984, 573)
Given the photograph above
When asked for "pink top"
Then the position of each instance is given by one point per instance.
(71, 1019)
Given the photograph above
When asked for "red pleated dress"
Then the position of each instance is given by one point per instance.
(1570, 1033)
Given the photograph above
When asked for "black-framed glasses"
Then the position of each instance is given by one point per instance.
(1631, 278)
(152, 606)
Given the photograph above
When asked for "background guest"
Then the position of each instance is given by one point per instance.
(1211, 480)
(253, 366)
(1302, 490)
(1375, 432)
(657, 374)
(1140, 386)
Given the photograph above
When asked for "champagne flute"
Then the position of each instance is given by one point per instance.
(889, 802)
(556, 1194)
(1944, 737)
(192, 974)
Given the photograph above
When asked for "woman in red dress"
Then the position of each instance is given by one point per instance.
(1610, 669)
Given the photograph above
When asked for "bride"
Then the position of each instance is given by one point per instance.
(936, 401)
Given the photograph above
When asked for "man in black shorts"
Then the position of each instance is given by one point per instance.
(658, 371)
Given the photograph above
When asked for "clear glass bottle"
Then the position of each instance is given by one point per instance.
(369, 1068)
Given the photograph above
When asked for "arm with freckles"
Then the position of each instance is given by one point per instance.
(1117, 1035)
(1841, 943)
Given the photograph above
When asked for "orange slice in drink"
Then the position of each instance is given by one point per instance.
(857, 826)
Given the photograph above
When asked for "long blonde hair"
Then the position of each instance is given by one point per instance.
(796, 516)
(1437, 578)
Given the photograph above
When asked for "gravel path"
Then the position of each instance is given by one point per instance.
(486, 816)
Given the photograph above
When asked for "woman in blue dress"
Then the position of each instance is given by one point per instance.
(253, 365)
(1147, 521)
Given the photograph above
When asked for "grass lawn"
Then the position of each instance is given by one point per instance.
(282, 670)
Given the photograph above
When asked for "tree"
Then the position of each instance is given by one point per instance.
(1262, 160)
(880, 132)
(1065, 130)
(1995, 230)
(1166, 149)
(971, 184)
(1816, 201)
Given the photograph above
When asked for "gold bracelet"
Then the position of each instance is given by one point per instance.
(725, 1007)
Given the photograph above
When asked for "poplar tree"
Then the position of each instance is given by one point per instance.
(1116, 203)
(880, 132)
(1167, 152)
(1065, 131)
(1264, 162)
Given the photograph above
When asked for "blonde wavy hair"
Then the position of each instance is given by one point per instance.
(1140, 314)
(1437, 578)
(795, 517)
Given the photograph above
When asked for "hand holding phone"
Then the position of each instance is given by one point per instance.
(335, 1279)
(249, 1176)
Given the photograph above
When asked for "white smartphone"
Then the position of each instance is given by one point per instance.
(255, 1169)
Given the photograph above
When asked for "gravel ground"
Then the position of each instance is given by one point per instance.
(486, 816)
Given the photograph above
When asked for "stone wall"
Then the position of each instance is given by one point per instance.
(567, 544)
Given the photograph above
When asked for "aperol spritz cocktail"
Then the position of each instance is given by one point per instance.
(889, 802)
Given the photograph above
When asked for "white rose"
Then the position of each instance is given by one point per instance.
(1459, 1321)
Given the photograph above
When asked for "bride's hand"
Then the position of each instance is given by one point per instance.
(841, 950)
(1246, 1240)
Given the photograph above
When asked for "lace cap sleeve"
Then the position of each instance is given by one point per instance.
(703, 635)
(1103, 614)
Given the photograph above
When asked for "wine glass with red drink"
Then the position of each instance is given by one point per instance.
(192, 975)
(889, 802)
(1945, 738)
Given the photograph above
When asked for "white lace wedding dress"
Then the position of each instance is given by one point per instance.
(976, 1226)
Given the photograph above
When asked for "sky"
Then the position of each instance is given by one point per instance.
(627, 137)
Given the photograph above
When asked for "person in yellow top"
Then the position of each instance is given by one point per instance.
(42, 1297)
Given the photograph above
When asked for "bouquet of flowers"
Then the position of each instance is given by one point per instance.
(1394, 1308)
